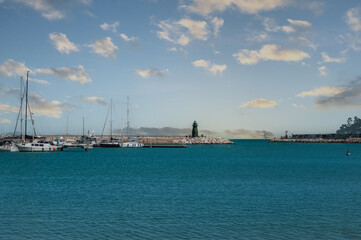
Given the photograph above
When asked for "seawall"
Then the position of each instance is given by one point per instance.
(316, 140)
(184, 140)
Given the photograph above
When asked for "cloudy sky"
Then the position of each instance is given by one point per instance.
(238, 67)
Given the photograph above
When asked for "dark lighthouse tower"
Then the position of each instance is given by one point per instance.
(195, 129)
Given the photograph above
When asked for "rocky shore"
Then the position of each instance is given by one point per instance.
(316, 140)
(184, 140)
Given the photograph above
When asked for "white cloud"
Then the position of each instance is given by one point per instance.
(213, 68)
(270, 25)
(47, 108)
(5, 108)
(197, 29)
(342, 97)
(328, 59)
(299, 23)
(62, 43)
(205, 7)
(42, 107)
(145, 73)
(104, 47)
(110, 27)
(352, 40)
(50, 9)
(295, 25)
(269, 52)
(201, 63)
(178, 50)
(171, 32)
(11, 68)
(131, 40)
(353, 19)
(217, 24)
(287, 29)
(316, 6)
(183, 31)
(257, 37)
(322, 91)
(99, 100)
(5, 120)
(323, 70)
(39, 81)
(76, 74)
(304, 41)
(259, 103)
(9, 91)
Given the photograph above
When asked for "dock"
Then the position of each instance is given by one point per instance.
(164, 146)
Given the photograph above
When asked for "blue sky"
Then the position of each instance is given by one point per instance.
(238, 67)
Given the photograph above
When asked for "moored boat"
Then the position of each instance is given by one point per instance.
(109, 144)
(37, 146)
(11, 147)
(133, 143)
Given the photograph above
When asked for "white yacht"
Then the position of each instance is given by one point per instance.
(37, 146)
(131, 144)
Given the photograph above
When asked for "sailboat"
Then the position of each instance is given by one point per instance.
(35, 145)
(132, 142)
(110, 144)
(348, 152)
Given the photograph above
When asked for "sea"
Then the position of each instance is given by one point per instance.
(250, 190)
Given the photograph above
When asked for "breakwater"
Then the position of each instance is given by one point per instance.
(148, 140)
(316, 140)
(184, 140)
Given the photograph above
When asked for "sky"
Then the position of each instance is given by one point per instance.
(237, 67)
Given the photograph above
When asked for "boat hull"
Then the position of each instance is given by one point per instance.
(131, 145)
(29, 147)
(109, 145)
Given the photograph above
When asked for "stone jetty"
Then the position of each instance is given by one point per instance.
(184, 140)
(316, 140)
(147, 140)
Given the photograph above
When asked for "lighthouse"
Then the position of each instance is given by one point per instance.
(195, 129)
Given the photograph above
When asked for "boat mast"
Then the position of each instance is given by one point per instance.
(127, 116)
(20, 113)
(26, 103)
(67, 123)
(21, 107)
(111, 119)
(83, 127)
(33, 119)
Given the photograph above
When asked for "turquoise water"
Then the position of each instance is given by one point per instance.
(251, 190)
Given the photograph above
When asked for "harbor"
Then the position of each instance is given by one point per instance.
(19, 142)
